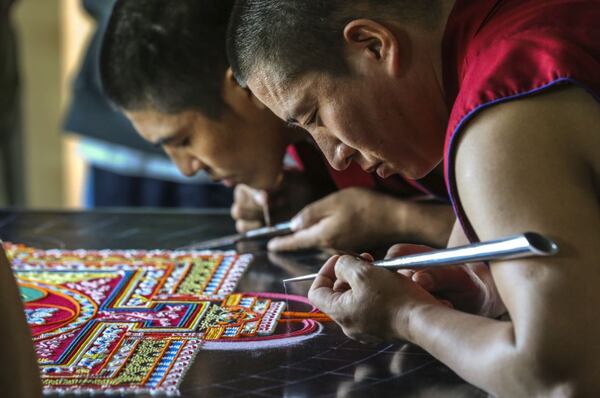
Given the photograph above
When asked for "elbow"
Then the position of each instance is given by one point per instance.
(556, 374)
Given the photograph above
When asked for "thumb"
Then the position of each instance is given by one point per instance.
(311, 214)
(303, 239)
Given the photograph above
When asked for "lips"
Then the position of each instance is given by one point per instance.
(372, 168)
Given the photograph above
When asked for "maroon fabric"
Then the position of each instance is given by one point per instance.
(498, 50)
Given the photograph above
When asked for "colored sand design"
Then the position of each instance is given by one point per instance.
(133, 321)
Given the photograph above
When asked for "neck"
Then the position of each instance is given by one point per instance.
(432, 72)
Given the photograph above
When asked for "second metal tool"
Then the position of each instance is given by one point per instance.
(265, 232)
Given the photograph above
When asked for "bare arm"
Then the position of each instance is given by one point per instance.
(20, 374)
(360, 219)
(527, 165)
(523, 166)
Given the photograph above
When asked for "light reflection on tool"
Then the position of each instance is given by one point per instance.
(528, 244)
(265, 232)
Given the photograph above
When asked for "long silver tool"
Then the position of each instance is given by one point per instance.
(528, 244)
(265, 232)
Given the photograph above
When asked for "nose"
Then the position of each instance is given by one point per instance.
(338, 154)
(342, 157)
(189, 165)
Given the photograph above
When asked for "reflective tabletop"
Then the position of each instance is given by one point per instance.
(325, 365)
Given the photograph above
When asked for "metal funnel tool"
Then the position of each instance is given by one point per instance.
(529, 244)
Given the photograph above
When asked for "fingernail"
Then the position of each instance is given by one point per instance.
(424, 279)
(259, 197)
(273, 245)
(296, 224)
(367, 257)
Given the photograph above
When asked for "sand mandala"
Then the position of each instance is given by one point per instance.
(133, 321)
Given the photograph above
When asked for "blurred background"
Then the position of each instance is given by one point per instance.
(71, 149)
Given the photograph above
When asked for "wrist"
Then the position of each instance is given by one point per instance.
(405, 320)
(415, 322)
(394, 220)
(426, 223)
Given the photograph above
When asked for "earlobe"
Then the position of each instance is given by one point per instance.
(365, 37)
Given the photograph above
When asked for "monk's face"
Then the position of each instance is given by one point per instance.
(242, 146)
(382, 124)
(386, 111)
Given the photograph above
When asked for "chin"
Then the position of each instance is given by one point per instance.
(416, 171)
(261, 184)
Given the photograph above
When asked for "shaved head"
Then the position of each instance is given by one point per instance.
(287, 38)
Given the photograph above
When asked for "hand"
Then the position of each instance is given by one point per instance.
(352, 219)
(369, 303)
(292, 194)
(466, 288)
(247, 209)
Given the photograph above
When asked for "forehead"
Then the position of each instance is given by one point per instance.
(154, 124)
(285, 98)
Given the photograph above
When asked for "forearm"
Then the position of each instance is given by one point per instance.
(21, 377)
(420, 222)
(483, 351)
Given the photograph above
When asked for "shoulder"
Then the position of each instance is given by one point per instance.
(539, 149)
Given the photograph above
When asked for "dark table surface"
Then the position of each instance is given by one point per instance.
(328, 365)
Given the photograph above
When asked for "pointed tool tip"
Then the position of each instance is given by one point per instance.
(301, 278)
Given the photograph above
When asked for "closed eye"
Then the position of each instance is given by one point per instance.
(186, 141)
(313, 118)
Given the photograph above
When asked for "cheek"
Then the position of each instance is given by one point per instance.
(213, 145)
(352, 120)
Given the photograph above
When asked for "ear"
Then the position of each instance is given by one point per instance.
(369, 40)
(233, 91)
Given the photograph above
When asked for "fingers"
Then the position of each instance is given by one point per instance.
(404, 249)
(321, 291)
(445, 279)
(354, 271)
(243, 225)
(367, 257)
(362, 338)
(312, 214)
(341, 286)
(248, 204)
(303, 239)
